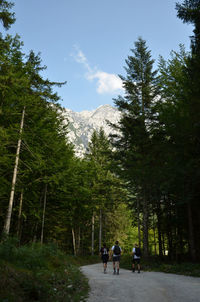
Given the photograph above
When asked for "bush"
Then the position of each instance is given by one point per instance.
(39, 273)
(166, 266)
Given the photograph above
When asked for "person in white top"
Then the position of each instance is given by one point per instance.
(116, 253)
(136, 258)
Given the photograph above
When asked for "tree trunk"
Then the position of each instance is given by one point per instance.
(43, 215)
(92, 234)
(19, 215)
(154, 235)
(163, 243)
(169, 228)
(6, 229)
(35, 232)
(100, 228)
(158, 213)
(37, 223)
(191, 234)
(138, 221)
(145, 227)
(74, 241)
(180, 245)
(79, 240)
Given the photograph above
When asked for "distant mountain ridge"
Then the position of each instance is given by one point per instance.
(82, 124)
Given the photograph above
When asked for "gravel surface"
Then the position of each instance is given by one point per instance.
(143, 287)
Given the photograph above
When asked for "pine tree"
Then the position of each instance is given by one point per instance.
(189, 12)
(6, 17)
(106, 188)
(133, 142)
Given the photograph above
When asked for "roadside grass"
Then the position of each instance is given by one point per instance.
(83, 260)
(41, 273)
(166, 266)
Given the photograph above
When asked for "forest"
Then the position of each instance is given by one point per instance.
(140, 185)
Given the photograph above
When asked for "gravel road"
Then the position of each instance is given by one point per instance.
(143, 287)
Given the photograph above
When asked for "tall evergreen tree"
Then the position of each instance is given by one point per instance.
(133, 143)
(189, 12)
(169, 137)
(106, 188)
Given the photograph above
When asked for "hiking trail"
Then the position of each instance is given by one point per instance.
(143, 287)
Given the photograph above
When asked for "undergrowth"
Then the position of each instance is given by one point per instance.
(40, 273)
(166, 266)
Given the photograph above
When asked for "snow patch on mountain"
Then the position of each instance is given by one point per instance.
(82, 124)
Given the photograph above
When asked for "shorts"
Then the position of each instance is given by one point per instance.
(105, 258)
(116, 258)
(136, 260)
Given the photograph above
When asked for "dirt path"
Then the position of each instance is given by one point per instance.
(143, 287)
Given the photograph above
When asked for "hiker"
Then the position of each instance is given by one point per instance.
(136, 258)
(104, 252)
(116, 253)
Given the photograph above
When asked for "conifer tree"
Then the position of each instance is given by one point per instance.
(98, 155)
(106, 188)
(189, 12)
(133, 143)
(6, 17)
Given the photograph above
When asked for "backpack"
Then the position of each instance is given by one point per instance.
(117, 250)
(105, 251)
(137, 252)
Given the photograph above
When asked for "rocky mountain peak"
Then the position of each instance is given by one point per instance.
(82, 124)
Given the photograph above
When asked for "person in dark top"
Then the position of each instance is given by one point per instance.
(136, 258)
(104, 252)
(116, 253)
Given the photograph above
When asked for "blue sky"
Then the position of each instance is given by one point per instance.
(86, 42)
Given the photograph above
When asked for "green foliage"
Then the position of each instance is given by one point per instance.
(6, 17)
(119, 227)
(134, 143)
(131, 239)
(83, 260)
(45, 155)
(156, 265)
(39, 273)
(158, 149)
(154, 168)
(108, 195)
(189, 12)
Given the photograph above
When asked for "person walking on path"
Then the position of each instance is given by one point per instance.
(104, 252)
(116, 253)
(136, 258)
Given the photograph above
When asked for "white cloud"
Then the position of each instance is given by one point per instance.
(106, 82)
(81, 58)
